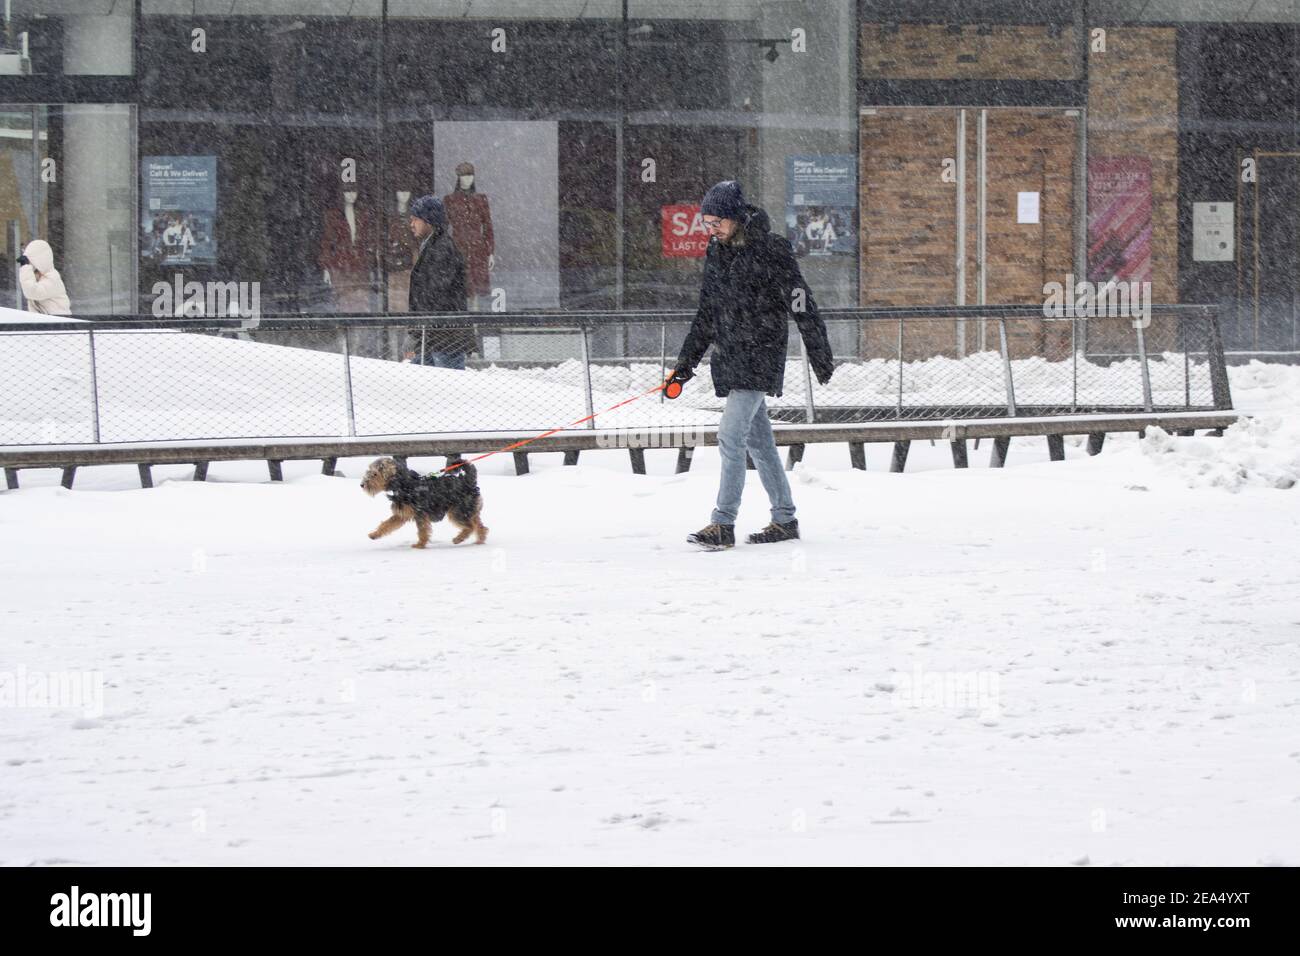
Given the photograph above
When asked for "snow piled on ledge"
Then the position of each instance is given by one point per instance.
(1262, 450)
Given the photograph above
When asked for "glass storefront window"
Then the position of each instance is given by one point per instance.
(760, 92)
(585, 134)
(273, 112)
(67, 37)
(522, 99)
(66, 176)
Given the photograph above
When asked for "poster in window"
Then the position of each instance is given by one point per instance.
(821, 201)
(1119, 218)
(178, 210)
(682, 232)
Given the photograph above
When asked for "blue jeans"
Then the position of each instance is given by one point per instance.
(745, 425)
(445, 359)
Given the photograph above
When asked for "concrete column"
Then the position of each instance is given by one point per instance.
(96, 185)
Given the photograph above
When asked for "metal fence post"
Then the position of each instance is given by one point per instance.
(586, 374)
(1187, 361)
(900, 366)
(94, 387)
(1006, 365)
(1074, 365)
(1219, 386)
(1146, 372)
(663, 355)
(809, 410)
(347, 381)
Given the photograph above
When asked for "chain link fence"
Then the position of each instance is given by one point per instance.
(119, 381)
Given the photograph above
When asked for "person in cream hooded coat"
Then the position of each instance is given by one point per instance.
(41, 282)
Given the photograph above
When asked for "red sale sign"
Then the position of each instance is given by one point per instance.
(684, 236)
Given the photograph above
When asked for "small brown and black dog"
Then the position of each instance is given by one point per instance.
(427, 499)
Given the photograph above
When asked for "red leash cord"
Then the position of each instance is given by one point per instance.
(673, 389)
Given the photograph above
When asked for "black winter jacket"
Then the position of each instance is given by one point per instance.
(746, 303)
(438, 285)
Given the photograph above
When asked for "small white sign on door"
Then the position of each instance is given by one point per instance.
(1027, 207)
(1212, 233)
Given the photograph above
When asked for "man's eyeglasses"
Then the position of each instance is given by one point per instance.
(710, 223)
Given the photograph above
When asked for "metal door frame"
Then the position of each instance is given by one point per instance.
(1295, 317)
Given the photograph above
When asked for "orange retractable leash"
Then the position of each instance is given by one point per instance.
(669, 387)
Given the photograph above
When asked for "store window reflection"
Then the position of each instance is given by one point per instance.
(66, 177)
(275, 127)
(756, 92)
(533, 116)
(67, 37)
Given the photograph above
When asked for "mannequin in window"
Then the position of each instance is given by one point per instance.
(471, 228)
(347, 254)
(399, 253)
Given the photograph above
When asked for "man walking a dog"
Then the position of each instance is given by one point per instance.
(752, 287)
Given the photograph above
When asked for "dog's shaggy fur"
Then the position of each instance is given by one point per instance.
(427, 499)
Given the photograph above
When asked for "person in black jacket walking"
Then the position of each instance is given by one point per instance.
(437, 285)
(752, 288)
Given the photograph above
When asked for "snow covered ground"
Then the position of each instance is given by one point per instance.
(1093, 661)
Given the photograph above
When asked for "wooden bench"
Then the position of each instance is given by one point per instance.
(794, 437)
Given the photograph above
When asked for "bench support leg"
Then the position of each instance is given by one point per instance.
(638, 460)
(521, 462)
(69, 474)
(277, 474)
(998, 456)
(793, 456)
(899, 461)
(200, 471)
(328, 466)
(684, 456)
(858, 455)
(571, 457)
(1186, 432)
(1095, 441)
(1056, 447)
(959, 453)
(146, 476)
(11, 478)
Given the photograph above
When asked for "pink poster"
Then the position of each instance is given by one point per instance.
(1119, 218)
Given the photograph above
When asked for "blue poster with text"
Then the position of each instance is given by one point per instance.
(821, 204)
(179, 210)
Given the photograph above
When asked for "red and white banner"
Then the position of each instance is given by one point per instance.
(684, 236)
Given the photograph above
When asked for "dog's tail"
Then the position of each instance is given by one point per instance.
(463, 468)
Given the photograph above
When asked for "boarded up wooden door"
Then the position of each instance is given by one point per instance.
(963, 206)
